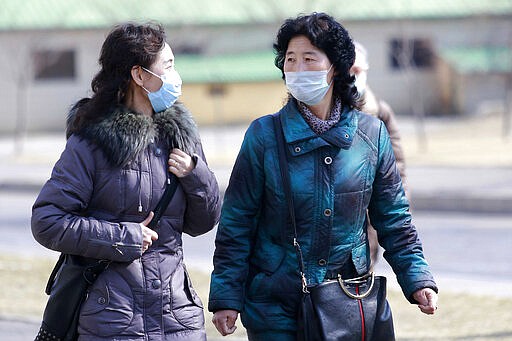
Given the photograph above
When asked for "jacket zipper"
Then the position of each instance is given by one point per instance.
(116, 245)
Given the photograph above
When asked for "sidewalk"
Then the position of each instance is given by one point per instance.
(464, 165)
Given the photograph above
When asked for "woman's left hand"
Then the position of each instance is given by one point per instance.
(180, 163)
(427, 300)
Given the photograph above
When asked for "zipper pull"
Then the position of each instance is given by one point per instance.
(140, 208)
(116, 246)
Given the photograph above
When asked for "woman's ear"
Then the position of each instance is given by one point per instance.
(136, 73)
(334, 74)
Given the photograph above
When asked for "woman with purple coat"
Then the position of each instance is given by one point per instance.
(122, 145)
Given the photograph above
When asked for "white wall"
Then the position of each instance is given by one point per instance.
(47, 101)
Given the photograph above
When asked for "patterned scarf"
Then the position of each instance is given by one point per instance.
(317, 125)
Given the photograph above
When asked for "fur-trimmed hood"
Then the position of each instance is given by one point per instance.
(124, 134)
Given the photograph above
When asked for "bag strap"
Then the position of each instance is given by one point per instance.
(170, 189)
(53, 274)
(285, 175)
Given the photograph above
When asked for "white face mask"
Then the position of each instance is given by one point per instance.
(360, 83)
(308, 87)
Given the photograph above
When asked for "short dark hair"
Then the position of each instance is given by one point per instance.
(126, 45)
(324, 32)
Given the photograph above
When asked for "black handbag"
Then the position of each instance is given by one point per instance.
(339, 309)
(70, 280)
(353, 309)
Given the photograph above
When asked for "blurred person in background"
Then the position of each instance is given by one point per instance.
(382, 110)
(121, 145)
(341, 165)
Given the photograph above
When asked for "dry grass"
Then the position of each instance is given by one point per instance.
(460, 317)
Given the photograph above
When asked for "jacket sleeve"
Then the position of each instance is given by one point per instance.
(202, 195)
(389, 214)
(387, 116)
(240, 212)
(59, 214)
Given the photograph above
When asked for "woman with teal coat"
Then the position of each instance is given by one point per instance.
(341, 165)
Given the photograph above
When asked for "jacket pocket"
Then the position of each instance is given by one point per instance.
(282, 286)
(108, 309)
(257, 289)
(182, 305)
(265, 262)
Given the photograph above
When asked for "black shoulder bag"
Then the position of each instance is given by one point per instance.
(353, 309)
(71, 278)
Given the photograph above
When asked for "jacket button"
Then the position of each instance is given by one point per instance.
(328, 160)
(322, 262)
(297, 149)
(102, 300)
(158, 152)
(156, 284)
(327, 212)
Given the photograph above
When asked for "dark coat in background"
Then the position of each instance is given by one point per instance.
(109, 177)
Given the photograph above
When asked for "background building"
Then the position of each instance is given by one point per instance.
(427, 58)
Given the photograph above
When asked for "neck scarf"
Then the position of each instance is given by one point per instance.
(318, 125)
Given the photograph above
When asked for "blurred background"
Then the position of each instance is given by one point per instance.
(444, 66)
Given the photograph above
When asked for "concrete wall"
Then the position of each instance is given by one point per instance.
(241, 102)
(482, 93)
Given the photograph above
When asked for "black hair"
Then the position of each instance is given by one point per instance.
(324, 32)
(125, 46)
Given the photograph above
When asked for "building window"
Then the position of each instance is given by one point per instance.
(54, 64)
(414, 53)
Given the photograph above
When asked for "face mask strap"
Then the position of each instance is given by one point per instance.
(151, 72)
(332, 80)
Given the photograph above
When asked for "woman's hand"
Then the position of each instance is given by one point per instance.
(180, 163)
(427, 300)
(148, 235)
(224, 321)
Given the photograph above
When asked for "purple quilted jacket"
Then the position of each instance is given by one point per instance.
(107, 180)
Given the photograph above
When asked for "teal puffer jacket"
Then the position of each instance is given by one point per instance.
(335, 178)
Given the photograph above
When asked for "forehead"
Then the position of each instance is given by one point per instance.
(301, 44)
(165, 54)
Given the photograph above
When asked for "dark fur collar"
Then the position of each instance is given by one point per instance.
(123, 135)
